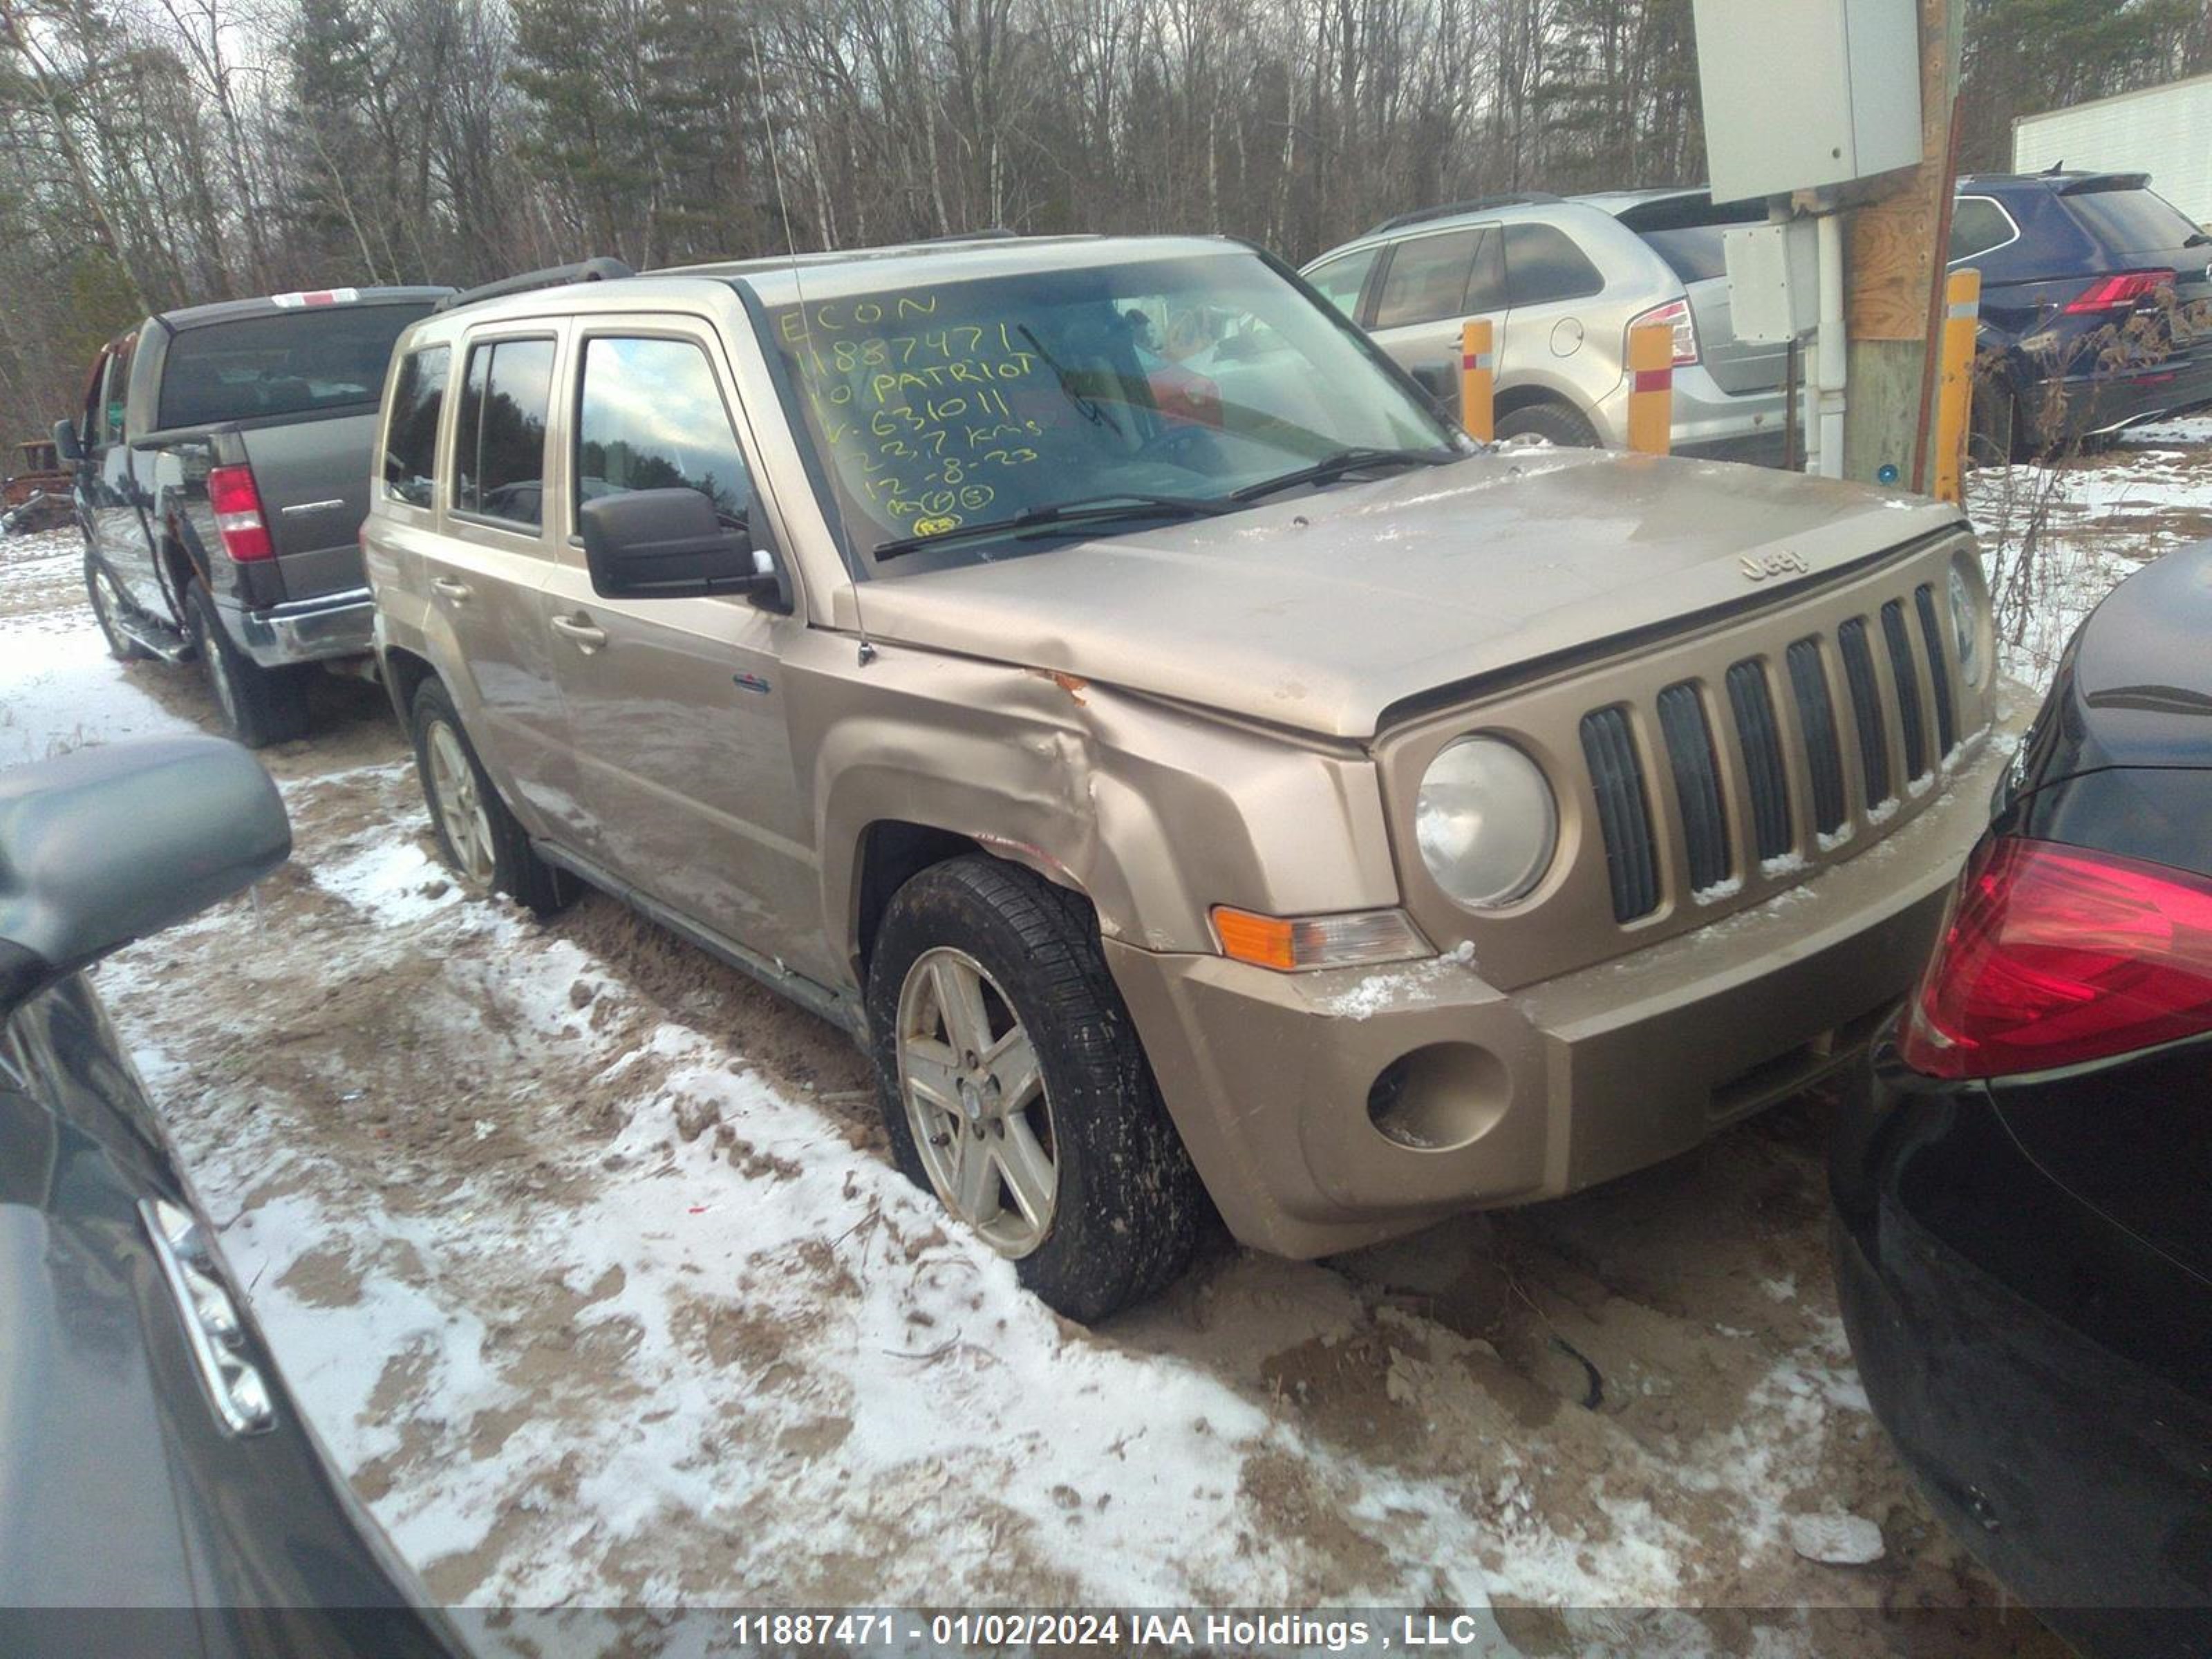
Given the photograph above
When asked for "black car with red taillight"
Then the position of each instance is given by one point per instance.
(2096, 308)
(223, 463)
(2023, 1182)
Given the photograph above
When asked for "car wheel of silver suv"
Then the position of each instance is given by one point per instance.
(481, 841)
(1013, 1086)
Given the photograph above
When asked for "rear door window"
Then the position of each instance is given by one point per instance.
(1978, 226)
(650, 416)
(499, 438)
(1341, 280)
(2131, 221)
(1426, 280)
(291, 362)
(410, 443)
(1542, 264)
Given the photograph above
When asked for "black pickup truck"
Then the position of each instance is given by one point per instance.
(222, 465)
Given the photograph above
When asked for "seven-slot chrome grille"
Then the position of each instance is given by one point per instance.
(1831, 711)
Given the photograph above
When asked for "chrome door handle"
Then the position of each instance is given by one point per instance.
(457, 591)
(579, 627)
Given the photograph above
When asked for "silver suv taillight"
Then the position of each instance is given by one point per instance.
(1675, 315)
(212, 1329)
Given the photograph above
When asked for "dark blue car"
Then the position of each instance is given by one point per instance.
(2096, 307)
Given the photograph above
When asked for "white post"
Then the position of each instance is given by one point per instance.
(1833, 358)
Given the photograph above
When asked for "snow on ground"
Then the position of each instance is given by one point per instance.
(586, 1259)
(2057, 538)
(52, 702)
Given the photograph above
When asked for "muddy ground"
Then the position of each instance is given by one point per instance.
(584, 1256)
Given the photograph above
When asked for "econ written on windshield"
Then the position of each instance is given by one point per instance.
(941, 405)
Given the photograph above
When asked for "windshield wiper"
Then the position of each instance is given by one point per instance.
(1084, 509)
(1085, 406)
(1332, 467)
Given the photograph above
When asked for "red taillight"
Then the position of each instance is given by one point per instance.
(2057, 955)
(1674, 314)
(237, 505)
(2121, 291)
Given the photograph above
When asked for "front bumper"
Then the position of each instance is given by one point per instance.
(2077, 1469)
(1506, 1098)
(340, 624)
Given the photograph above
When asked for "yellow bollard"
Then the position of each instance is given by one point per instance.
(1477, 378)
(1954, 407)
(1651, 388)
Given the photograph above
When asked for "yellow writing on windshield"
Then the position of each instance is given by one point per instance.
(924, 421)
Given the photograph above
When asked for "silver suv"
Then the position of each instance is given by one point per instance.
(1564, 279)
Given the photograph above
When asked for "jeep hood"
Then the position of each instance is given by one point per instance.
(1320, 611)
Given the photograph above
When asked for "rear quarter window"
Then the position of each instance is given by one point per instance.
(294, 362)
(1696, 254)
(1978, 226)
(1543, 264)
(411, 441)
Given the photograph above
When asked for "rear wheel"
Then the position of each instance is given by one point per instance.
(1013, 1086)
(481, 841)
(260, 706)
(1553, 422)
(108, 611)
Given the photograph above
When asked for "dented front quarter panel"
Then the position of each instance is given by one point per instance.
(1155, 812)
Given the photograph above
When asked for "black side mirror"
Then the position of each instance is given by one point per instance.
(667, 545)
(106, 845)
(67, 449)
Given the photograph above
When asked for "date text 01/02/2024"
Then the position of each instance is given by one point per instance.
(1115, 1631)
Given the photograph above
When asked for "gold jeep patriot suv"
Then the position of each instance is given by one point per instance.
(1090, 673)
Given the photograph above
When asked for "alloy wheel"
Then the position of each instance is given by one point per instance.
(461, 812)
(977, 1102)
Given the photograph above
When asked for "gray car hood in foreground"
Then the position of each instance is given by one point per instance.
(1320, 611)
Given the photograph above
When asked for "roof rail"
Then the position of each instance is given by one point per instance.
(601, 270)
(1478, 204)
(989, 234)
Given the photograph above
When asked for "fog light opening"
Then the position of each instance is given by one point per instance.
(1438, 1099)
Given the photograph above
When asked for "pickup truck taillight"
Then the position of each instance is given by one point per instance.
(237, 504)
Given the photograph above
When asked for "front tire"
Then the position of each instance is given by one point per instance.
(260, 706)
(106, 611)
(1013, 1086)
(482, 843)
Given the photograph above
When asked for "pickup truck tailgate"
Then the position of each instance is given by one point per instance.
(312, 475)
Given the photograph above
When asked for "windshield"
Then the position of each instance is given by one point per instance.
(954, 404)
(288, 363)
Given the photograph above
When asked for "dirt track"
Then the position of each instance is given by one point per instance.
(583, 1254)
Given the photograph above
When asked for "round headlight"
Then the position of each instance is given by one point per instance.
(1966, 624)
(1486, 822)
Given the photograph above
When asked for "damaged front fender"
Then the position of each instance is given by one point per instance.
(1155, 813)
